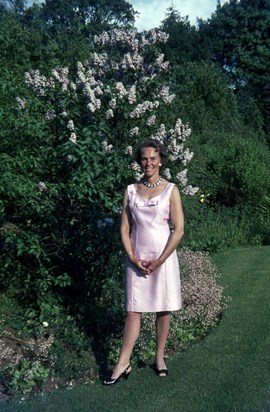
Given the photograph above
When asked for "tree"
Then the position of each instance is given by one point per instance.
(185, 42)
(65, 29)
(15, 6)
(89, 15)
(239, 37)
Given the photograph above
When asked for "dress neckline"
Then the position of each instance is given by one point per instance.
(151, 198)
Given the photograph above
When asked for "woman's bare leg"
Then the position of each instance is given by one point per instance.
(162, 330)
(131, 333)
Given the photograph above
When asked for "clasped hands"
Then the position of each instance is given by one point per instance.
(148, 267)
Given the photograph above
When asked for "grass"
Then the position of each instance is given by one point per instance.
(229, 371)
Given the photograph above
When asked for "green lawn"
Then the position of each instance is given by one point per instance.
(229, 371)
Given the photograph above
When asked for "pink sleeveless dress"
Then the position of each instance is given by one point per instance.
(160, 291)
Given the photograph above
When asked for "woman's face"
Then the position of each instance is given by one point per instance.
(150, 160)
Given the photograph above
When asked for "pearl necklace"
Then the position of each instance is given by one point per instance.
(147, 184)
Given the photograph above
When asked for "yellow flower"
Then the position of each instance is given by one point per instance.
(202, 198)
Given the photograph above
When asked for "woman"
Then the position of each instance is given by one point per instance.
(152, 270)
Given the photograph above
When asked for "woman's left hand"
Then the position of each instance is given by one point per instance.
(154, 264)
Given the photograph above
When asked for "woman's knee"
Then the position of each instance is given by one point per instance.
(133, 315)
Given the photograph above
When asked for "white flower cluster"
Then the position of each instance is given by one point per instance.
(132, 94)
(128, 150)
(21, 103)
(182, 177)
(187, 156)
(118, 36)
(70, 125)
(61, 74)
(160, 62)
(112, 100)
(42, 187)
(38, 83)
(136, 167)
(147, 79)
(109, 114)
(137, 170)
(151, 120)
(167, 173)
(69, 158)
(161, 134)
(99, 59)
(181, 131)
(175, 149)
(157, 36)
(107, 147)
(158, 66)
(190, 190)
(133, 61)
(90, 87)
(144, 107)
(50, 115)
(120, 90)
(173, 140)
(112, 103)
(73, 138)
(165, 96)
(134, 132)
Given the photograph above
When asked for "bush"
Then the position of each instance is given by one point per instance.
(214, 228)
(57, 356)
(234, 170)
(66, 167)
(203, 305)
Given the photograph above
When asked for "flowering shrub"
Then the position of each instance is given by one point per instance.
(120, 98)
(203, 304)
(33, 365)
(68, 160)
(75, 135)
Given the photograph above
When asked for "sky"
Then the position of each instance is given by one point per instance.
(152, 12)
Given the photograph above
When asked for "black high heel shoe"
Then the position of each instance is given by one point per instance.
(162, 373)
(125, 374)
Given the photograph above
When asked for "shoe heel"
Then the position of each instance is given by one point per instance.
(126, 375)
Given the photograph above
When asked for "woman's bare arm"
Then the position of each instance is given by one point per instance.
(126, 222)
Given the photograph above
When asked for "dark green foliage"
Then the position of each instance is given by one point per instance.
(185, 42)
(204, 98)
(237, 171)
(93, 15)
(238, 34)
